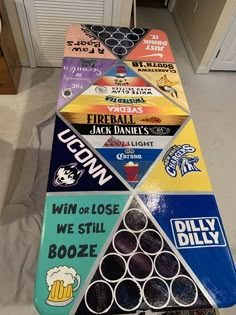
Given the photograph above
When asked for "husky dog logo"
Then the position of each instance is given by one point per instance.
(179, 156)
(67, 175)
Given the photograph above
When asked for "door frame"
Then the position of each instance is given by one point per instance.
(171, 5)
(218, 37)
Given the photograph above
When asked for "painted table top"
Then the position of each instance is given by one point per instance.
(131, 222)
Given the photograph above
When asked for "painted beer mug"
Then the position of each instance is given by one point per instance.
(60, 281)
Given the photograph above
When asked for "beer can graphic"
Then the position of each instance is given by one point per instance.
(131, 171)
(60, 281)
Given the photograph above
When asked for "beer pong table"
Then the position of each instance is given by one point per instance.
(131, 222)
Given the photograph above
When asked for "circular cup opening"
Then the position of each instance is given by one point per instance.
(99, 297)
(111, 42)
(132, 37)
(124, 30)
(138, 31)
(156, 293)
(150, 242)
(118, 35)
(125, 242)
(128, 294)
(167, 265)
(135, 220)
(126, 43)
(97, 28)
(104, 35)
(111, 29)
(113, 267)
(140, 266)
(119, 50)
(183, 291)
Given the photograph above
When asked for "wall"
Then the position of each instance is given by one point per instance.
(197, 28)
(123, 19)
(16, 29)
(122, 12)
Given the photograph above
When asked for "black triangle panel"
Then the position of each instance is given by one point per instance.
(120, 40)
(139, 271)
(76, 167)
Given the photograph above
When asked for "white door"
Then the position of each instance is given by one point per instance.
(226, 56)
(48, 20)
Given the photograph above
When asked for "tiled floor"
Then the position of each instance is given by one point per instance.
(211, 98)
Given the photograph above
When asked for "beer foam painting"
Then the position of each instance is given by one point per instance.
(131, 223)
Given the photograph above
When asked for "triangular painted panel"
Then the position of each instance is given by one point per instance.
(164, 76)
(139, 270)
(78, 74)
(193, 224)
(120, 40)
(132, 164)
(82, 43)
(125, 92)
(124, 78)
(131, 149)
(153, 47)
(73, 237)
(76, 167)
(182, 168)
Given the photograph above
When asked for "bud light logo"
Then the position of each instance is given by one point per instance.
(179, 157)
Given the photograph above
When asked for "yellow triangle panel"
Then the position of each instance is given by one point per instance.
(164, 76)
(135, 105)
(182, 168)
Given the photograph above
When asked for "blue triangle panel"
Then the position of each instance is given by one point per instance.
(194, 226)
(131, 164)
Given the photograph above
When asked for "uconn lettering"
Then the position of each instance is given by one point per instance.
(84, 156)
